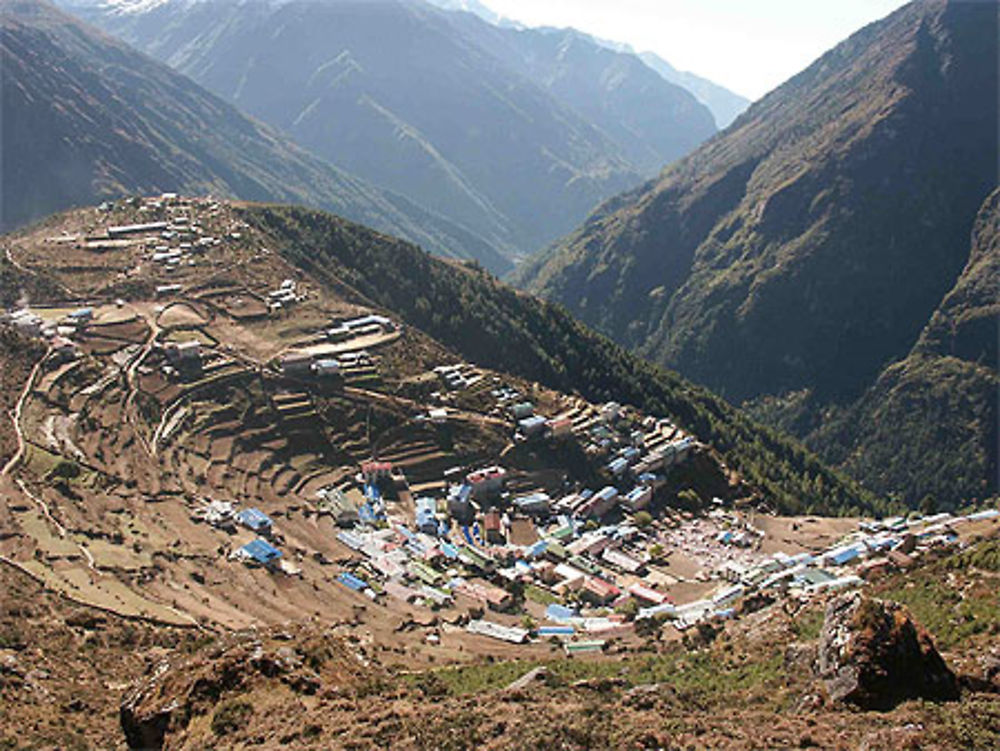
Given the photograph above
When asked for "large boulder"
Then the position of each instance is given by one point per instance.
(873, 654)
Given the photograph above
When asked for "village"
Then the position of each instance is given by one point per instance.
(317, 443)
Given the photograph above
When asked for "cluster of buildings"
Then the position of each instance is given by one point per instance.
(346, 329)
(487, 537)
(285, 296)
(262, 550)
(58, 334)
(586, 558)
(321, 362)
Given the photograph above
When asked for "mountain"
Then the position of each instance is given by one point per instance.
(930, 420)
(806, 247)
(652, 123)
(86, 118)
(725, 105)
(404, 95)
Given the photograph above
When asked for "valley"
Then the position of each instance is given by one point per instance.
(209, 441)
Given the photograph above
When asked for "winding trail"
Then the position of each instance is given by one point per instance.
(15, 416)
(130, 381)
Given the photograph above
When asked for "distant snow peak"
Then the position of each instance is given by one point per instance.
(132, 6)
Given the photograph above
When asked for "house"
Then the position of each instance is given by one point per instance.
(592, 543)
(844, 554)
(560, 427)
(534, 504)
(63, 350)
(556, 612)
(426, 516)
(622, 561)
(375, 470)
(165, 290)
(638, 498)
(645, 594)
(184, 354)
(255, 520)
(260, 552)
(496, 631)
(81, 316)
(611, 411)
(600, 503)
(459, 505)
(220, 514)
(493, 597)
(618, 466)
(532, 426)
(296, 364)
(326, 368)
(493, 528)
(598, 591)
(135, 229)
(25, 322)
(523, 410)
(486, 481)
(334, 502)
(569, 578)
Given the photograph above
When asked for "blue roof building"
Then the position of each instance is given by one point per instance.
(254, 519)
(261, 552)
(555, 612)
(426, 516)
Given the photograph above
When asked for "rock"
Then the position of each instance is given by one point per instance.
(143, 730)
(532, 676)
(647, 695)
(872, 654)
(991, 668)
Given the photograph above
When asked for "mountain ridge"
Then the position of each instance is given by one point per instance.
(128, 124)
(795, 208)
(407, 96)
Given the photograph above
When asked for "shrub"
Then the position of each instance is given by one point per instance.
(231, 717)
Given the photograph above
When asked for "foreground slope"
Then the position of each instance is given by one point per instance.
(67, 669)
(807, 246)
(87, 118)
(409, 97)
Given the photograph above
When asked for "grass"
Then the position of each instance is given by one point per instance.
(700, 676)
(539, 595)
(807, 625)
(952, 607)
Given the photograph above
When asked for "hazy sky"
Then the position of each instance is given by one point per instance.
(749, 46)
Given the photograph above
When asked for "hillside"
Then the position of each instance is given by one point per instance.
(407, 96)
(805, 248)
(930, 420)
(126, 124)
(472, 313)
(724, 105)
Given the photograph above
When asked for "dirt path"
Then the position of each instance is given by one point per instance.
(15, 416)
(404, 403)
(133, 366)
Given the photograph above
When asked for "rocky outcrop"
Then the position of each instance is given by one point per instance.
(163, 704)
(874, 655)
